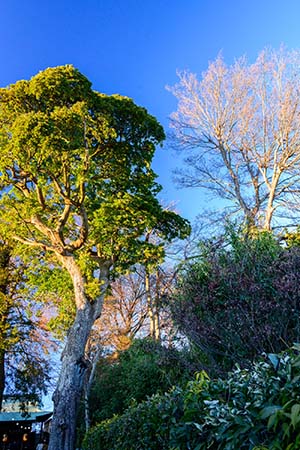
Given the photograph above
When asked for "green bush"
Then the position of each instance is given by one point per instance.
(145, 426)
(257, 408)
(146, 368)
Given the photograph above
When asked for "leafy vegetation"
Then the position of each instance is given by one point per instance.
(146, 368)
(251, 408)
(257, 405)
(239, 299)
(78, 187)
(79, 202)
(25, 366)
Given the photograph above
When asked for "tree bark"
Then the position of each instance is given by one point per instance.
(270, 206)
(153, 310)
(157, 308)
(70, 383)
(149, 304)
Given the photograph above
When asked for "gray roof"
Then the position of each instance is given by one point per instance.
(37, 416)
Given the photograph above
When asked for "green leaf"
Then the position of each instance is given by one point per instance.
(295, 416)
(274, 360)
(269, 411)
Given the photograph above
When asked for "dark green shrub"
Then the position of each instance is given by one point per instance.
(250, 409)
(239, 301)
(142, 427)
(146, 368)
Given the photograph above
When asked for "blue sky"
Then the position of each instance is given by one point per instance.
(134, 48)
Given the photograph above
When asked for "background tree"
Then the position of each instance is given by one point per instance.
(25, 343)
(239, 129)
(236, 303)
(76, 166)
(124, 313)
(125, 317)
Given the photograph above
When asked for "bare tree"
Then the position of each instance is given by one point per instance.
(239, 127)
(124, 313)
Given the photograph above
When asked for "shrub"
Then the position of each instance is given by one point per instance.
(237, 302)
(257, 408)
(145, 426)
(146, 368)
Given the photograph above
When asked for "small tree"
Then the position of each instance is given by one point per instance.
(240, 127)
(78, 185)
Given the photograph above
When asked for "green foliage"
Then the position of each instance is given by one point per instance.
(51, 290)
(240, 299)
(144, 427)
(146, 368)
(252, 409)
(76, 167)
(77, 184)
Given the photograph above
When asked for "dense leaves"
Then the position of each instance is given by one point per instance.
(146, 368)
(75, 158)
(75, 168)
(238, 301)
(251, 409)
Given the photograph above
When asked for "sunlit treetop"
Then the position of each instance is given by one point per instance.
(76, 170)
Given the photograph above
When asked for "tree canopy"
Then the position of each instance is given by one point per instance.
(77, 185)
(77, 165)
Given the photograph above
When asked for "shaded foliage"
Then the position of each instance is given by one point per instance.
(251, 409)
(146, 368)
(24, 342)
(235, 303)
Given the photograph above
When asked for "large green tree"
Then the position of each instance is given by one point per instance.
(78, 185)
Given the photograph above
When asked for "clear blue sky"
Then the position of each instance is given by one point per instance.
(133, 47)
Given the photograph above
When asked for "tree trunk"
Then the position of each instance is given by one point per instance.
(272, 195)
(156, 325)
(149, 304)
(157, 308)
(153, 309)
(269, 212)
(70, 383)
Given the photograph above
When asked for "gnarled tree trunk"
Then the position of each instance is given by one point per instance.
(70, 383)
